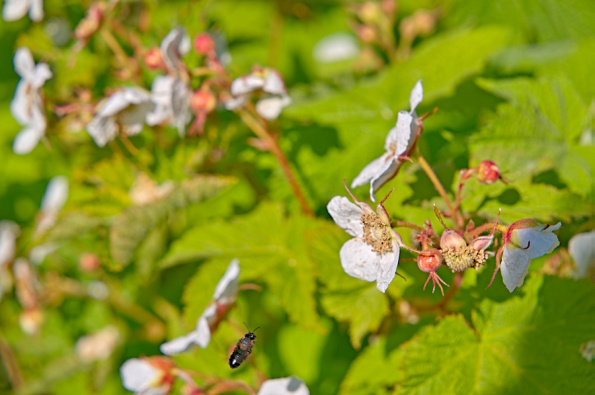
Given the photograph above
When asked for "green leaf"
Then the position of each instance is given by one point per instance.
(271, 248)
(363, 309)
(513, 347)
(132, 226)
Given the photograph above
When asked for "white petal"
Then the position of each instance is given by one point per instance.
(359, 260)
(138, 375)
(514, 267)
(270, 107)
(582, 249)
(541, 239)
(38, 253)
(21, 103)
(36, 10)
(179, 344)
(235, 102)
(14, 9)
(41, 74)
(273, 83)
(9, 231)
(387, 267)
(416, 96)
(102, 129)
(403, 131)
(371, 169)
(55, 195)
(383, 176)
(23, 62)
(286, 386)
(246, 84)
(173, 46)
(347, 215)
(227, 288)
(335, 47)
(26, 140)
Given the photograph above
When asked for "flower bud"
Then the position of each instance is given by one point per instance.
(153, 58)
(452, 240)
(488, 172)
(429, 260)
(203, 100)
(204, 44)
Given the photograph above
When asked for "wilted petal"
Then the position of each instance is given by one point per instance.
(359, 260)
(26, 140)
(227, 288)
(286, 386)
(582, 249)
(347, 215)
(540, 240)
(387, 267)
(14, 9)
(273, 83)
(55, 195)
(270, 107)
(335, 47)
(138, 375)
(416, 96)
(514, 266)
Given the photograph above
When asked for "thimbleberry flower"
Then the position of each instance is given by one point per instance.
(224, 295)
(27, 105)
(171, 96)
(373, 253)
(524, 240)
(124, 111)
(148, 376)
(16, 9)
(285, 386)
(173, 47)
(270, 82)
(398, 142)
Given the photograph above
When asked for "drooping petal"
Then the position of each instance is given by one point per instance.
(270, 107)
(26, 140)
(161, 94)
(540, 240)
(179, 344)
(514, 266)
(138, 375)
(36, 10)
(14, 9)
(385, 173)
(359, 260)
(416, 96)
(20, 105)
(173, 46)
(41, 74)
(285, 386)
(102, 129)
(200, 336)
(55, 195)
(23, 63)
(403, 134)
(227, 288)
(246, 84)
(372, 169)
(273, 83)
(132, 118)
(347, 215)
(235, 102)
(582, 249)
(387, 267)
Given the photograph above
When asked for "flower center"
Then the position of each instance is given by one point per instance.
(376, 233)
(463, 258)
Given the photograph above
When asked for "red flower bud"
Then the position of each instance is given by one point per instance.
(204, 44)
(153, 58)
(429, 260)
(488, 172)
(203, 101)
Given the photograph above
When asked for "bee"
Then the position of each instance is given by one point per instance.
(242, 349)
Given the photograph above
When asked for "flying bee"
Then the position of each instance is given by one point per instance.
(242, 349)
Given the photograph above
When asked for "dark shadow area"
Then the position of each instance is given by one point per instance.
(549, 177)
(510, 197)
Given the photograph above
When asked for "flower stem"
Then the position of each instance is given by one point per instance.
(273, 146)
(405, 224)
(11, 364)
(439, 188)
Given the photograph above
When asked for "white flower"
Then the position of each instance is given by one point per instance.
(98, 346)
(525, 240)
(225, 294)
(373, 253)
(125, 110)
(270, 82)
(398, 141)
(171, 96)
(286, 386)
(16, 9)
(173, 46)
(27, 105)
(335, 48)
(52, 202)
(9, 231)
(147, 376)
(582, 249)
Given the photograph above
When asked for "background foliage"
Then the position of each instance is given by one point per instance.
(512, 81)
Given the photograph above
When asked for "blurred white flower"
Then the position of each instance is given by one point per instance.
(173, 47)
(9, 231)
(270, 82)
(52, 202)
(16, 9)
(398, 141)
(171, 96)
(98, 346)
(582, 249)
(525, 240)
(335, 48)
(285, 386)
(27, 105)
(147, 376)
(373, 253)
(123, 111)
(224, 295)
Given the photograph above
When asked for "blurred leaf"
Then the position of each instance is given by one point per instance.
(522, 340)
(131, 227)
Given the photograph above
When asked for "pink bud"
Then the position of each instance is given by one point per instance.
(429, 260)
(488, 172)
(153, 58)
(204, 44)
(203, 100)
(452, 240)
